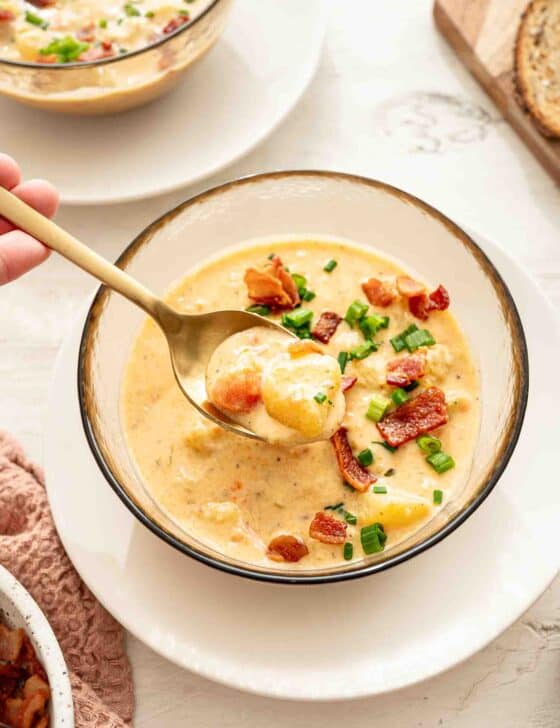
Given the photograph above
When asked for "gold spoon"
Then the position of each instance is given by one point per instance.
(190, 337)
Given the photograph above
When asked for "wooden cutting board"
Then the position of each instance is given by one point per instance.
(482, 33)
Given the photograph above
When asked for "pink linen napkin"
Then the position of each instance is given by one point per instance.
(92, 641)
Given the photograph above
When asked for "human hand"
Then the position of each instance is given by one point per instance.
(19, 252)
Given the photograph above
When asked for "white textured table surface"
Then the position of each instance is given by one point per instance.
(390, 101)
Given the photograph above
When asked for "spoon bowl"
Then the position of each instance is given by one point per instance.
(190, 337)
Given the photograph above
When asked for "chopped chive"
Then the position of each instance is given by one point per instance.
(441, 462)
(261, 310)
(373, 538)
(320, 397)
(371, 324)
(428, 444)
(419, 338)
(438, 497)
(150, 14)
(378, 406)
(270, 256)
(350, 518)
(330, 265)
(380, 489)
(348, 551)
(363, 351)
(35, 19)
(335, 507)
(130, 10)
(365, 458)
(399, 396)
(103, 22)
(66, 49)
(308, 295)
(389, 473)
(298, 318)
(342, 360)
(300, 281)
(398, 342)
(412, 386)
(355, 312)
(385, 445)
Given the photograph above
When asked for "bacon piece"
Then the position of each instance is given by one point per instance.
(86, 34)
(42, 3)
(351, 470)
(237, 391)
(105, 50)
(348, 382)
(326, 326)
(422, 414)
(420, 306)
(175, 23)
(406, 369)
(408, 287)
(272, 286)
(6, 16)
(32, 710)
(378, 293)
(35, 684)
(287, 548)
(11, 642)
(327, 528)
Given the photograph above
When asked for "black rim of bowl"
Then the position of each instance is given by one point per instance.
(112, 59)
(280, 577)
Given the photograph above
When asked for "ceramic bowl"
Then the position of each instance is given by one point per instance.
(285, 204)
(118, 83)
(19, 610)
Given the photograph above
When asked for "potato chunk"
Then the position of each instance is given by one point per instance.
(394, 510)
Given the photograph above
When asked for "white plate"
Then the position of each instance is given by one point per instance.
(335, 641)
(227, 104)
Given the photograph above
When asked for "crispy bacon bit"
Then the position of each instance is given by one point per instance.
(378, 293)
(348, 382)
(87, 33)
(105, 50)
(237, 391)
(42, 3)
(6, 16)
(415, 417)
(11, 642)
(272, 286)
(175, 23)
(420, 306)
(326, 326)
(408, 287)
(327, 528)
(351, 470)
(287, 548)
(406, 369)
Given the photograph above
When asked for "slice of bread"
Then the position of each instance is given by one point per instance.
(537, 64)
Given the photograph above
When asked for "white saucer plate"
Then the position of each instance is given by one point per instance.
(335, 641)
(227, 104)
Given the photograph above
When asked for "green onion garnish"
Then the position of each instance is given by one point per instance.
(348, 551)
(103, 22)
(371, 324)
(365, 458)
(298, 318)
(130, 10)
(66, 49)
(300, 281)
(308, 295)
(380, 489)
(428, 444)
(412, 386)
(385, 445)
(261, 310)
(373, 538)
(330, 265)
(399, 396)
(270, 256)
(355, 312)
(389, 473)
(350, 518)
(342, 360)
(35, 19)
(150, 14)
(398, 342)
(378, 406)
(419, 338)
(320, 397)
(336, 507)
(363, 351)
(438, 497)
(441, 462)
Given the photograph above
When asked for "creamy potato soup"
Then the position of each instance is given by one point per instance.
(397, 451)
(65, 31)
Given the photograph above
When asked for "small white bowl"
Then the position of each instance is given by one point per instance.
(18, 609)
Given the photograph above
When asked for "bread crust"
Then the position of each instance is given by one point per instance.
(525, 98)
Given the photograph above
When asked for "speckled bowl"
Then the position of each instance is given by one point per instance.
(18, 609)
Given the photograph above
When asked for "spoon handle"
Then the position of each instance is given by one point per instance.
(32, 222)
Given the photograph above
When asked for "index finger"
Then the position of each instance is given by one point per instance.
(10, 173)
